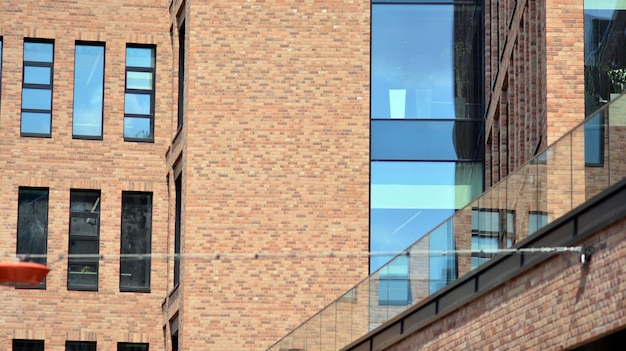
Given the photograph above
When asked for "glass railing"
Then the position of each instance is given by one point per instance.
(582, 163)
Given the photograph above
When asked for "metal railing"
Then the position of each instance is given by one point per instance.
(581, 164)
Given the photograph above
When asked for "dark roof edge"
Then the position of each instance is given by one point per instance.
(570, 229)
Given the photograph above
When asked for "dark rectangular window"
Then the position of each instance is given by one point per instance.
(139, 93)
(594, 140)
(32, 225)
(80, 346)
(181, 74)
(177, 225)
(36, 118)
(0, 67)
(88, 90)
(82, 272)
(136, 241)
(27, 345)
(128, 346)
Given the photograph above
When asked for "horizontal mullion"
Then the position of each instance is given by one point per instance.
(136, 115)
(35, 110)
(139, 91)
(38, 64)
(139, 69)
(36, 86)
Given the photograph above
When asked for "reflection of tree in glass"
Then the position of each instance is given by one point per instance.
(136, 223)
(32, 224)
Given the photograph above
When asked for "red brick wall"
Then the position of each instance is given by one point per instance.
(275, 161)
(61, 163)
(554, 306)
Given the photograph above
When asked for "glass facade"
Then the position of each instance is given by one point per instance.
(605, 52)
(426, 120)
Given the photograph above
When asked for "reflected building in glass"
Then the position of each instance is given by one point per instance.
(426, 121)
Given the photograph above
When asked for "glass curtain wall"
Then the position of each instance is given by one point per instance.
(605, 52)
(426, 120)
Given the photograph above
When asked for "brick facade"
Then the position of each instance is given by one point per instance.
(61, 163)
(273, 152)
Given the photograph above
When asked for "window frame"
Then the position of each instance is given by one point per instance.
(45, 192)
(181, 73)
(27, 345)
(80, 345)
(86, 261)
(103, 46)
(133, 346)
(37, 86)
(151, 93)
(136, 288)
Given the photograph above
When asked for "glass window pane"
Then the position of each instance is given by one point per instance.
(84, 247)
(137, 128)
(88, 90)
(127, 346)
(37, 75)
(84, 226)
(426, 76)
(28, 345)
(139, 57)
(39, 99)
(32, 222)
(38, 52)
(425, 140)
(137, 104)
(594, 141)
(80, 346)
(136, 239)
(36, 123)
(82, 274)
(139, 80)
(85, 201)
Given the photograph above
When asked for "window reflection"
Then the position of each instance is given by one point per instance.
(88, 90)
(605, 52)
(425, 61)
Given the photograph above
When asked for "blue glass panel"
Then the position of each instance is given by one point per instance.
(137, 104)
(442, 267)
(408, 199)
(36, 123)
(139, 80)
(426, 61)
(37, 75)
(139, 57)
(594, 141)
(425, 140)
(38, 52)
(40, 99)
(137, 128)
(88, 90)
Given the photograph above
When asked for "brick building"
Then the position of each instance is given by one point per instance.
(206, 175)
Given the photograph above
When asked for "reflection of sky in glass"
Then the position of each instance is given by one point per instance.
(139, 80)
(37, 75)
(137, 104)
(35, 123)
(39, 52)
(88, 84)
(137, 127)
(412, 49)
(139, 57)
(40, 99)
